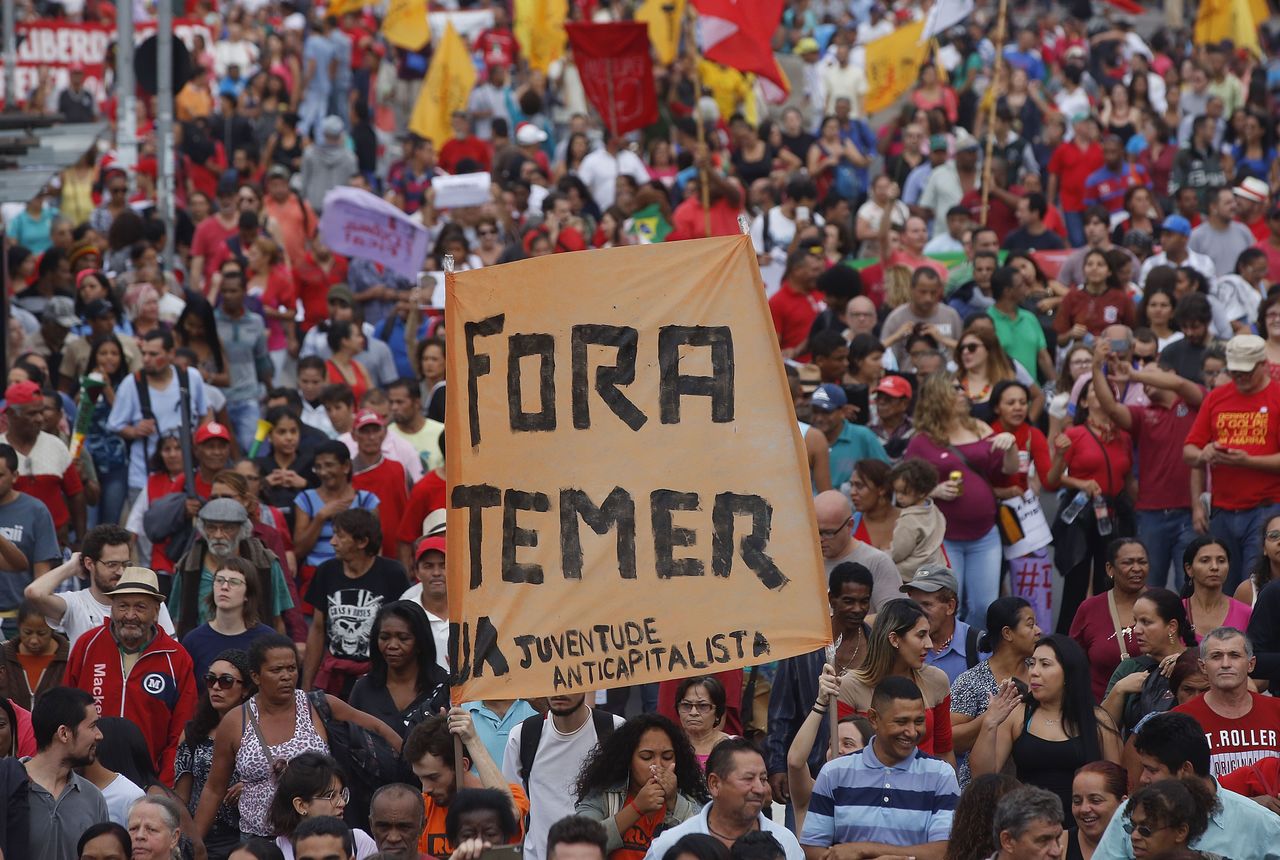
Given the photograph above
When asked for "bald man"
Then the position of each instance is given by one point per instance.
(397, 819)
(835, 521)
(1119, 340)
(860, 316)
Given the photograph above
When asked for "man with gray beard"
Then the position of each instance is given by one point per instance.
(223, 531)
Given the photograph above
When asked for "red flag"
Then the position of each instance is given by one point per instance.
(740, 35)
(617, 73)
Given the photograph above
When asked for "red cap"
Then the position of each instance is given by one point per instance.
(365, 417)
(22, 393)
(435, 542)
(76, 66)
(213, 430)
(894, 386)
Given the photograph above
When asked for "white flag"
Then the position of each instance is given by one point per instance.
(944, 15)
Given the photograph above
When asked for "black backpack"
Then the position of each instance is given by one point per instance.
(531, 734)
(367, 760)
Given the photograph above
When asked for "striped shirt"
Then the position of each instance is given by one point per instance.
(859, 799)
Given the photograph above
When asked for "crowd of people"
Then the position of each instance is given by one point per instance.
(1030, 321)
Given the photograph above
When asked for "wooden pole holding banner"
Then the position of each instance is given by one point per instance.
(833, 726)
(691, 39)
(1002, 23)
(613, 107)
(446, 263)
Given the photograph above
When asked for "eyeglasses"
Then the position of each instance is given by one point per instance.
(970, 347)
(112, 565)
(117, 189)
(341, 795)
(229, 581)
(862, 313)
(1145, 359)
(222, 682)
(1273, 535)
(921, 354)
(830, 533)
(487, 232)
(699, 707)
(1146, 831)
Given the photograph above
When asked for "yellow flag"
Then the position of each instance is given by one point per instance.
(664, 18)
(539, 28)
(893, 64)
(1228, 19)
(338, 8)
(445, 89)
(406, 24)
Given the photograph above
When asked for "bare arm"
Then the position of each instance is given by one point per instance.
(40, 591)
(1115, 410)
(815, 444)
(343, 711)
(964, 731)
(12, 557)
(226, 744)
(315, 650)
(306, 531)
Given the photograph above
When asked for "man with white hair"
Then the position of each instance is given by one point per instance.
(224, 531)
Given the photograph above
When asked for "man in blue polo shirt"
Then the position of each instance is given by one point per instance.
(893, 799)
(1108, 185)
(849, 442)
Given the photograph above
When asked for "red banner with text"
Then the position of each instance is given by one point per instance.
(617, 73)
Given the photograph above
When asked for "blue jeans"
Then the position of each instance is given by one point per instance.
(977, 565)
(244, 415)
(1241, 531)
(115, 486)
(1166, 535)
(1075, 227)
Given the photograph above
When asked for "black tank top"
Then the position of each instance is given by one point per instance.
(1050, 765)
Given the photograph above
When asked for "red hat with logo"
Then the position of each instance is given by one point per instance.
(366, 417)
(894, 386)
(213, 430)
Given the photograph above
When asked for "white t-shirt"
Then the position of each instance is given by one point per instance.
(85, 613)
(600, 171)
(120, 795)
(439, 626)
(555, 773)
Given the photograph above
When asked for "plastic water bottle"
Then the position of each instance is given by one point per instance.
(1073, 509)
(1102, 513)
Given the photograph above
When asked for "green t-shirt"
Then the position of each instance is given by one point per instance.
(280, 600)
(1022, 338)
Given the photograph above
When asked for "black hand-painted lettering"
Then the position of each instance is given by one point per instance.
(608, 378)
(475, 498)
(667, 535)
(728, 506)
(477, 366)
(617, 511)
(672, 384)
(544, 347)
(513, 536)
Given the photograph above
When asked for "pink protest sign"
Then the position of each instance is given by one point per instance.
(356, 223)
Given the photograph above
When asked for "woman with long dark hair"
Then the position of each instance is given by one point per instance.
(1056, 731)
(1011, 635)
(1100, 296)
(1140, 684)
(227, 685)
(874, 512)
(1093, 458)
(641, 780)
(1207, 561)
(312, 784)
(105, 840)
(346, 341)
(898, 645)
(197, 330)
(1267, 566)
(405, 684)
(110, 453)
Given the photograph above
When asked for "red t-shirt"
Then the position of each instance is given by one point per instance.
(428, 495)
(1254, 780)
(1072, 165)
(459, 148)
(1234, 743)
(1087, 461)
(1249, 423)
(1095, 312)
(1094, 631)
(210, 242)
(1273, 261)
(1159, 433)
(313, 284)
(386, 481)
(912, 262)
(1033, 450)
(497, 47)
(793, 315)
(688, 221)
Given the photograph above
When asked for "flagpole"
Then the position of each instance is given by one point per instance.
(1001, 26)
(613, 107)
(703, 182)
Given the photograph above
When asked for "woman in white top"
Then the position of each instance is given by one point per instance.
(118, 790)
(311, 785)
(867, 224)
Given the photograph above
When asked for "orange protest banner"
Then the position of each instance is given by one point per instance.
(629, 492)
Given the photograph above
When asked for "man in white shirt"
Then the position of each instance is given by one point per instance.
(842, 78)
(773, 232)
(106, 552)
(602, 167)
(1175, 233)
(566, 737)
(738, 782)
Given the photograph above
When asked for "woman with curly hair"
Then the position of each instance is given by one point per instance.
(971, 837)
(1168, 816)
(641, 780)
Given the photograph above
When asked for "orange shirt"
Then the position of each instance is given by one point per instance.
(435, 843)
(297, 222)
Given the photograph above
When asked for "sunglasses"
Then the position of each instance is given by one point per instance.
(1145, 359)
(970, 347)
(222, 682)
(1146, 831)
(486, 232)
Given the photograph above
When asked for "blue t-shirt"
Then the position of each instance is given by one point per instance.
(854, 443)
(204, 644)
(320, 49)
(28, 523)
(310, 501)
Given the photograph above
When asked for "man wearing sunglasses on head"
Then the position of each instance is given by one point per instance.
(105, 553)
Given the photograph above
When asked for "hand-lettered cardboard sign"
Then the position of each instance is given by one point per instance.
(628, 489)
(356, 223)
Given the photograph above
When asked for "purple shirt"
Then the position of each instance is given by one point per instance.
(973, 513)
